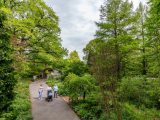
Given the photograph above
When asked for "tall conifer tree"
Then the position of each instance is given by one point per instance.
(114, 41)
(117, 26)
(153, 31)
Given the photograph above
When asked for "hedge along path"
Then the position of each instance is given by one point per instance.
(58, 109)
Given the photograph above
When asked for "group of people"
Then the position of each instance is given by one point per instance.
(49, 92)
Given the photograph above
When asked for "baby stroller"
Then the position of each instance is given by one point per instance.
(49, 95)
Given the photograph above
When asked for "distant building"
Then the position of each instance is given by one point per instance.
(55, 74)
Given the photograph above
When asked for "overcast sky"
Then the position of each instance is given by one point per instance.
(77, 21)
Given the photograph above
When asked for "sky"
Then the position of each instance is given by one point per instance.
(77, 21)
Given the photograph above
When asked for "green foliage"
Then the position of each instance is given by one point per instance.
(117, 28)
(141, 91)
(7, 80)
(152, 24)
(124, 58)
(88, 109)
(77, 67)
(135, 89)
(78, 86)
(131, 112)
(28, 29)
(20, 108)
(107, 54)
(45, 46)
(52, 81)
(74, 56)
(35, 36)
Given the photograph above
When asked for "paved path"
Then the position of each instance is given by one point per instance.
(43, 110)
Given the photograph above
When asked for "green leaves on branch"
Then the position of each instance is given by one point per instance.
(78, 86)
(7, 80)
(35, 34)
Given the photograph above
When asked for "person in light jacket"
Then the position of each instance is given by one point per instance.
(55, 89)
(40, 91)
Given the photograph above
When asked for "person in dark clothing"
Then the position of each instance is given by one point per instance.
(49, 94)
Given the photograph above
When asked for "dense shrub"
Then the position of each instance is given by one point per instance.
(91, 110)
(139, 98)
(78, 86)
(140, 91)
(131, 112)
(51, 81)
(132, 89)
(20, 108)
(88, 109)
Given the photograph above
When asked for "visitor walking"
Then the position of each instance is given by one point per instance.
(55, 89)
(40, 91)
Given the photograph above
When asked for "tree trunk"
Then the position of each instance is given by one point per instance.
(84, 95)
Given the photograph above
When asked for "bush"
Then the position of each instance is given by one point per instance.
(88, 109)
(131, 112)
(51, 81)
(20, 108)
(132, 89)
(140, 91)
(79, 86)
(152, 91)
(140, 98)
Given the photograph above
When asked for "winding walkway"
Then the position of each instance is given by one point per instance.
(58, 109)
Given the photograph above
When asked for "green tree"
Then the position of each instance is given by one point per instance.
(73, 65)
(104, 67)
(111, 48)
(74, 56)
(7, 80)
(78, 86)
(153, 26)
(117, 26)
(77, 67)
(142, 36)
(135, 61)
(35, 36)
(45, 48)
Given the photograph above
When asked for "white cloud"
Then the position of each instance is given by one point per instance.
(77, 21)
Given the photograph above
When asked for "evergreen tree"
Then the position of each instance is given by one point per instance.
(117, 27)
(153, 26)
(108, 53)
(142, 36)
(74, 56)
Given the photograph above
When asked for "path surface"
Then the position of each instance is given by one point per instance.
(43, 110)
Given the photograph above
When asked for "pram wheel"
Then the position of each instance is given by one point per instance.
(49, 98)
(49, 95)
